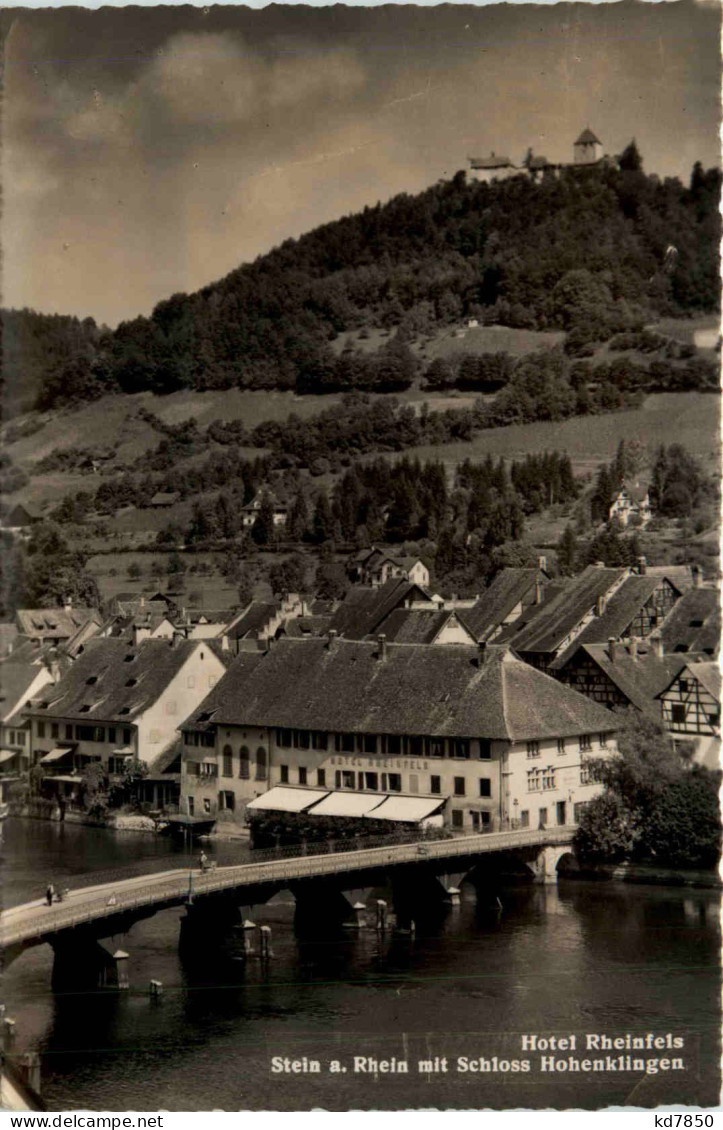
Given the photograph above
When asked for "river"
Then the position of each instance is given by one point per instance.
(581, 958)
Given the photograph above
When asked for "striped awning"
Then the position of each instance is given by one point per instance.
(406, 809)
(280, 799)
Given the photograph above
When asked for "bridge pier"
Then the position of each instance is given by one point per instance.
(544, 866)
(322, 903)
(82, 964)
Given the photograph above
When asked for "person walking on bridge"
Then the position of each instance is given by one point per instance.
(50, 894)
(203, 861)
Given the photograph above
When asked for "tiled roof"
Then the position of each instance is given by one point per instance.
(417, 625)
(679, 575)
(635, 490)
(58, 623)
(642, 679)
(694, 622)
(509, 587)
(620, 610)
(16, 679)
(346, 686)
(363, 609)
(557, 617)
(709, 675)
(253, 619)
(112, 665)
(299, 627)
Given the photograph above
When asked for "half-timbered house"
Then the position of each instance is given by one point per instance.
(691, 711)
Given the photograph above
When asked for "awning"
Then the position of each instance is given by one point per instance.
(280, 799)
(8, 755)
(124, 751)
(68, 779)
(409, 809)
(56, 755)
(346, 804)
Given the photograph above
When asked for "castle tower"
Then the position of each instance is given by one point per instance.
(587, 149)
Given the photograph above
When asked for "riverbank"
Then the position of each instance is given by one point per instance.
(121, 822)
(655, 876)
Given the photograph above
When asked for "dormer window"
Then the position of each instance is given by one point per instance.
(85, 708)
(124, 710)
(91, 681)
(129, 658)
(131, 682)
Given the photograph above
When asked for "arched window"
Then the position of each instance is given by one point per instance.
(244, 757)
(261, 764)
(227, 761)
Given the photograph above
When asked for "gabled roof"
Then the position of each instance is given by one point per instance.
(640, 680)
(252, 620)
(57, 623)
(679, 575)
(209, 615)
(557, 617)
(363, 608)
(16, 680)
(347, 686)
(635, 490)
(111, 665)
(419, 625)
(708, 674)
(620, 610)
(587, 137)
(538, 163)
(302, 626)
(509, 587)
(694, 622)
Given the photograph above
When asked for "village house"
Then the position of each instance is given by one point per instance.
(21, 518)
(261, 620)
(19, 682)
(631, 504)
(620, 675)
(375, 567)
(469, 734)
(250, 512)
(599, 603)
(426, 626)
(691, 712)
(512, 591)
(364, 609)
(494, 167)
(120, 701)
(53, 625)
(694, 623)
(164, 499)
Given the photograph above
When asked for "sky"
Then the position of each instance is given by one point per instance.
(149, 151)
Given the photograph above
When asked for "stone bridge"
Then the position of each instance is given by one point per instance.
(334, 885)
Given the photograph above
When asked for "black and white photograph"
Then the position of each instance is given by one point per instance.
(360, 558)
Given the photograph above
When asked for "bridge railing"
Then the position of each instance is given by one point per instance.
(170, 890)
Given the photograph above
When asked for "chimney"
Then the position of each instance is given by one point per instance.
(382, 640)
(633, 650)
(331, 638)
(612, 648)
(542, 564)
(538, 591)
(697, 574)
(54, 668)
(224, 643)
(143, 602)
(481, 652)
(642, 566)
(178, 638)
(656, 642)
(600, 605)
(68, 606)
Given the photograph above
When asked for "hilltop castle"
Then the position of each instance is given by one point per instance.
(587, 152)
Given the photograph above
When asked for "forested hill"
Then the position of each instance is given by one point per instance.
(589, 253)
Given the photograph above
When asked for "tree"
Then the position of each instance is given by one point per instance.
(630, 160)
(655, 807)
(567, 551)
(135, 572)
(288, 575)
(263, 530)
